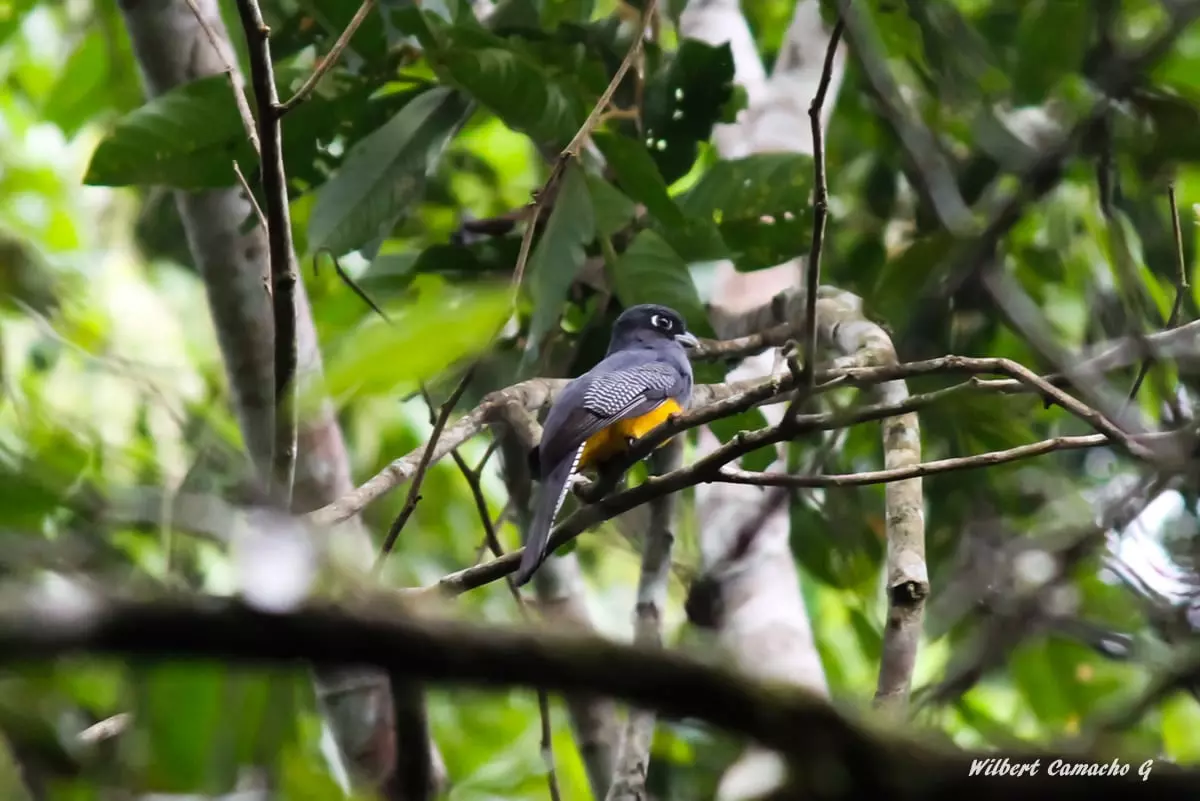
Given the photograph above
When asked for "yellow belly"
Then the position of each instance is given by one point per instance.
(606, 444)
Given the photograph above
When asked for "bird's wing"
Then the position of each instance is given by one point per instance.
(606, 396)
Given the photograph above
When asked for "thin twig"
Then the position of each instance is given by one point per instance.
(258, 212)
(544, 196)
(331, 58)
(279, 238)
(410, 503)
(350, 282)
(731, 475)
(820, 208)
(639, 39)
(239, 93)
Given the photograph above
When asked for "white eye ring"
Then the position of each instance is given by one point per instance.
(658, 321)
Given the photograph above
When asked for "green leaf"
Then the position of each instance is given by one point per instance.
(556, 12)
(435, 327)
(613, 210)
(181, 710)
(760, 204)
(638, 175)
(1181, 729)
(649, 271)
(559, 253)
(81, 90)
(384, 174)
(1051, 40)
(13, 13)
(684, 101)
(547, 104)
(697, 240)
(186, 138)
(1174, 122)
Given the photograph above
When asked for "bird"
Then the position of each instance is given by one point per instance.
(643, 379)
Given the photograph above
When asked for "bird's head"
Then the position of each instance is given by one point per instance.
(649, 323)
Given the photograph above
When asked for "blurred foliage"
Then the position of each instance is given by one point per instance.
(432, 121)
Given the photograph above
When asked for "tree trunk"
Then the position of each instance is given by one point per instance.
(172, 48)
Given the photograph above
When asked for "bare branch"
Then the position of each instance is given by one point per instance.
(235, 83)
(738, 476)
(820, 209)
(716, 401)
(282, 258)
(410, 503)
(812, 734)
(1181, 287)
(932, 172)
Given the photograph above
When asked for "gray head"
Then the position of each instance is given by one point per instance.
(647, 325)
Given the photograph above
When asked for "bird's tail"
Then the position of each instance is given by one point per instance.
(550, 500)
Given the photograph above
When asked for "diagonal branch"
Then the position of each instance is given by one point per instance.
(331, 58)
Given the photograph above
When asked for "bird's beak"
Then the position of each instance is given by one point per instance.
(687, 339)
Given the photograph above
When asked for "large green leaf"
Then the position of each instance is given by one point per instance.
(182, 712)
(88, 85)
(559, 253)
(649, 271)
(638, 176)
(761, 205)
(435, 327)
(1052, 37)
(613, 210)
(684, 102)
(384, 174)
(186, 138)
(545, 102)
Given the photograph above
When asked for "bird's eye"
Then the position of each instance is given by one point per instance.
(658, 321)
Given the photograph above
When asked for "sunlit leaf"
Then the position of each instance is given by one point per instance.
(432, 330)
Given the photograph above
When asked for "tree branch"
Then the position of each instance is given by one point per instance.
(716, 401)
(807, 730)
(326, 63)
(410, 503)
(737, 476)
(282, 258)
(820, 208)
